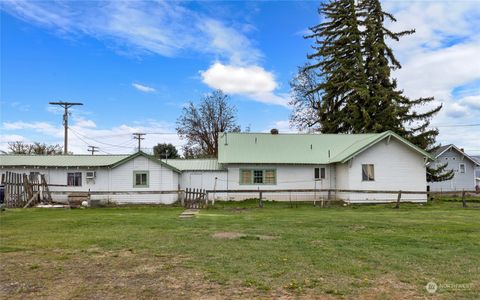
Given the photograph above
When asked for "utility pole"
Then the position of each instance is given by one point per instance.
(92, 149)
(139, 137)
(66, 106)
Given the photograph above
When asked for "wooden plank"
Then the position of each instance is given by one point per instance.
(398, 199)
(46, 190)
(31, 199)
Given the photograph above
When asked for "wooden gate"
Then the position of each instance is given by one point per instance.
(20, 191)
(195, 198)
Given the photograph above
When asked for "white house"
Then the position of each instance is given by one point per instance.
(136, 178)
(246, 162)
(463, 166)
(382, 161)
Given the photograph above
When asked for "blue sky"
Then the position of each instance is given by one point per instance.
(135, 64)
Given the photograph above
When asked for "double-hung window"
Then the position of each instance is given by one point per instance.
(74, 179)
(140, 179)
(319, 173)
(258, 176)
(368, 172)
(461, 167)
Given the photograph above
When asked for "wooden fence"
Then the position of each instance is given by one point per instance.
(331, 193)
(195, 198)
(22, 191)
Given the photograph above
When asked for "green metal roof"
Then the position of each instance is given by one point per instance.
(74, 160)
(299, 148)
(195, 164)
(60, 160)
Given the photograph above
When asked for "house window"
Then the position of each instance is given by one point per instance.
(368, 173)
(270, 177)
(462, 168)
(74, 179)
(33, 176)
(258, 176)
(140, 179)
(319, 173)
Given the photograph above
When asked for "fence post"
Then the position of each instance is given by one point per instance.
(464, 202)
(214, 191)
(260, 203)
(398, 199)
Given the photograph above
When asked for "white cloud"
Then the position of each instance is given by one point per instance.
(143, 88)
(115, 140)
(440, 59)
(85, 123)
(167, 28)
(283, 126)
(251, 81)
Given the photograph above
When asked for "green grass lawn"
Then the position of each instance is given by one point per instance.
(278, 251)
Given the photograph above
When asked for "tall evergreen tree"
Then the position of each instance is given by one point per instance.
(356, 91)
(387, 108)
(338, 62)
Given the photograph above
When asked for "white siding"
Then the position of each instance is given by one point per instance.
(396, 167)
(288, 177)
(204, 180)
(460, 181)
(118, 179)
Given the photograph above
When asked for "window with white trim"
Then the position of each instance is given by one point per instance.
(461, 168)
(368, 172)
(258, 176)
(74, 179)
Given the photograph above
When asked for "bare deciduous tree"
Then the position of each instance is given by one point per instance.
(305, 103)
(201, 125)
(36, 148)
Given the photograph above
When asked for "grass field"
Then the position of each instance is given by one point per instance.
(240, 251)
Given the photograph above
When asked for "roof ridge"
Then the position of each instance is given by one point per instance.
(351, 145)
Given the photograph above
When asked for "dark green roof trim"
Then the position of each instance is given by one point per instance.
(150, 157)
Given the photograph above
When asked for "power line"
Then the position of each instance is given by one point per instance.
(112, 145)
(66, 106)
(93, 149)
(139, 137)
(458, 125)
(125, 134)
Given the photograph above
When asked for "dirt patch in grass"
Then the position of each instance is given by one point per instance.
(113, 275)
(232, 235)
(116, 275)
(389, 287)
(228, 235)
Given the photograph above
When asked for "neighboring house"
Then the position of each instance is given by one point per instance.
(477, 170)
(247, 161)
(463, 166)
